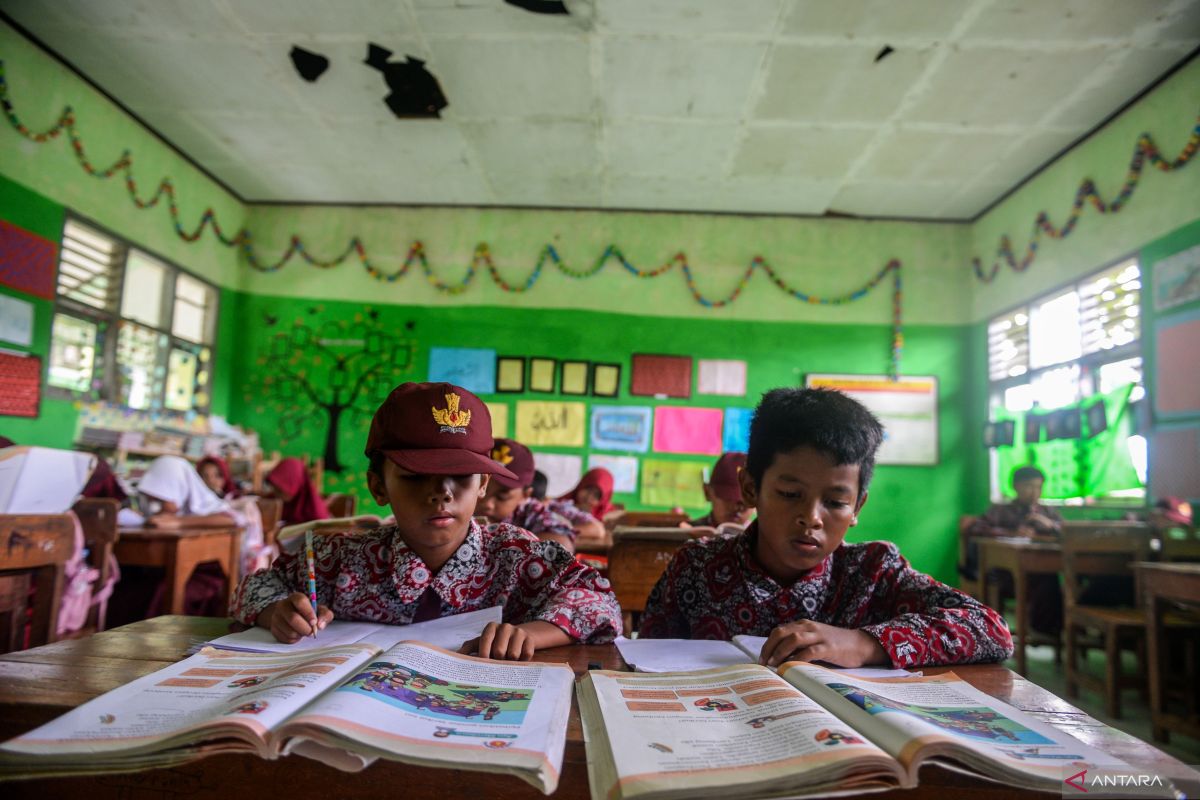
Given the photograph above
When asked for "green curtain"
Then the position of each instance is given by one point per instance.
(1089, 466)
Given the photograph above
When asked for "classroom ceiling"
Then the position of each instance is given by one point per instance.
(768, 106)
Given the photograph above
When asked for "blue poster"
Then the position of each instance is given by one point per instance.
(474, 370)
(737, 430)
(621, 428)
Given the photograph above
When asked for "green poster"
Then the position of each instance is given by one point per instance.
(673, 483)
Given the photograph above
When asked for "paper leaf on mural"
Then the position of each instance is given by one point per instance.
(668, 376)
(499, 412)
(473, 369)
(27, 261)
(541, 374)
(574, 377)
(606, 380)
(621, 428)
(20, 385)
(562, 471)
(673, 483)
(679, 429)
(16, 321)
(510, 374)
(736, 435)
(624, 470)
(721, 377)
(550, 423)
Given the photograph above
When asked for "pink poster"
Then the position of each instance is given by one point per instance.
(687, 430)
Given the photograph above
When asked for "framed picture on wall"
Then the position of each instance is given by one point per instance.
(606, 380)
(510, 374)
(541, 374)
(907, 407)
(573, 377)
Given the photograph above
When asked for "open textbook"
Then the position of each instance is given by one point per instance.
(343, 705)
(806, 730)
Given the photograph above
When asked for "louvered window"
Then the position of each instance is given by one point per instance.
(1110, 308)
(1008, 346)
(129, 327)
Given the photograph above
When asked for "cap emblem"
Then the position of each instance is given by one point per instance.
(503, 454)
(452, 419)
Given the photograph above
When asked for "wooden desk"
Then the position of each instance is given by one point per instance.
(1022, 557)
(39, 684)
(179, 552)
(1162, 585)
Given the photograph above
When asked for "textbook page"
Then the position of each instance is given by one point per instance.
(424, 705)
(214, 692)
(946, 719)
(700, 734)
(448, 632)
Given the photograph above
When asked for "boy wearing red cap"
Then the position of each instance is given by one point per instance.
(724, 492)
(429, 448)
(511, 499)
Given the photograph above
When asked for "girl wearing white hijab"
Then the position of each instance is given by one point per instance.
(173, 495)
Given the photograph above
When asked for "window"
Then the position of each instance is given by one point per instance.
(128, 327)
(1066, 346)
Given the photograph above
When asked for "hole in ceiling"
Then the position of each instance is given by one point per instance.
(415, 92)
(308, 64)
(884, 53)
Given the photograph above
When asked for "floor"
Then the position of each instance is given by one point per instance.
(1135, 715)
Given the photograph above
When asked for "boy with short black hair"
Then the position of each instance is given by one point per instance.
(790, 577)
(511, 499)
(429, 448)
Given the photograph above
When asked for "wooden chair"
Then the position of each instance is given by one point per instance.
(341, 504)
(34, 549)
(971, 586)
(635, 563)
(98, 518)
(1089, 553)
(270, 509)
(650, 519)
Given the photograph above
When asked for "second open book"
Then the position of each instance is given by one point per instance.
(805, 730)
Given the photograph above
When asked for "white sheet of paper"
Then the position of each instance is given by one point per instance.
(722, 377)
(624, 470)
(679, 655)
(447, 632)
(41, 480)
(562, 471)
(16, 320)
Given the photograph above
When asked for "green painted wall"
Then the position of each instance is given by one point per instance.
(915, 506)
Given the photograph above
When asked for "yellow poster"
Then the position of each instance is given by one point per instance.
(499, 412)
(551, 423)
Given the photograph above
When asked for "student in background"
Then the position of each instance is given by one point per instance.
(291, 482)
(587, 506)
(172, 495)
(791, 577)
(725, 494)
(511, 499)
(218, 477)
(540, 482)
(429, 448)
(104, 483)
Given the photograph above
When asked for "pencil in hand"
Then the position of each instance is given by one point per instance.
(312, 578)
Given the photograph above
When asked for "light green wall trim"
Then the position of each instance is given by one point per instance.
(39, 87)
(1161, 203)
(817, 256)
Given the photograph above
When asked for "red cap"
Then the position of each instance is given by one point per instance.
(724, 480)
(1175, 509)
(434, 429)
(518, 459)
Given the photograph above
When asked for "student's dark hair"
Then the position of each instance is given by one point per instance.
(376, 465)
(1028, 473)
(823, 419)
(540, 482)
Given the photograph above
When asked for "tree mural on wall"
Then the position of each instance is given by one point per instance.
(330, 372)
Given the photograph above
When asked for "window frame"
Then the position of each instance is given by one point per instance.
(106, 383)
(1089, 365)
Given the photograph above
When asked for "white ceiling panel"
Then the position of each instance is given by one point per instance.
(756, 106)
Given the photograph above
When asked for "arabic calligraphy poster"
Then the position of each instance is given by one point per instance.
(551, 423)
(678, 429)
(621, 428)
(673, 483)
(624, 470)
(562, 471)
(472, 369)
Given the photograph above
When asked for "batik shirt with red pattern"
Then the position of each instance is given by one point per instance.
(374, 576)
(536, 517)
(714, 588)
(571, 512)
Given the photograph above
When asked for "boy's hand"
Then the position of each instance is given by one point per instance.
(506, 642)
(812, 641)
(291, 618)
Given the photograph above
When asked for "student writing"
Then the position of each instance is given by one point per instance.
(791, 577)
(429, 448)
